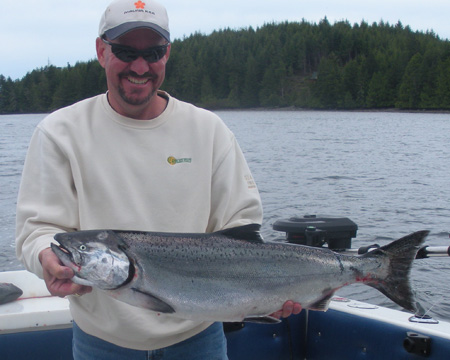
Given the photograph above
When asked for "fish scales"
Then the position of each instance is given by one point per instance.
(224, 277)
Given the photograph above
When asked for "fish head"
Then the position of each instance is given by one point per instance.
(96, 257)
(9, 292)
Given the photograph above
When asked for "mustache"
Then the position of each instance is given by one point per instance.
(146, 75)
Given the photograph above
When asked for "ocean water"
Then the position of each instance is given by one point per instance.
(386, 171)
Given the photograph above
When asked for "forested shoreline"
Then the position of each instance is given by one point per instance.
(290, 64)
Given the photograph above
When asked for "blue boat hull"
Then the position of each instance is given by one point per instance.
(38, 326)
(331, 335)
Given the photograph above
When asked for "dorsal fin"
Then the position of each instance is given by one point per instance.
(248, 232)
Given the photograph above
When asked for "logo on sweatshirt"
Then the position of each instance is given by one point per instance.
(250, 182)
(174, 161)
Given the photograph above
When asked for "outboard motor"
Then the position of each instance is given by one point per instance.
(313, 230)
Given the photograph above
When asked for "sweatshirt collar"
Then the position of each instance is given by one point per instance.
(140, 124)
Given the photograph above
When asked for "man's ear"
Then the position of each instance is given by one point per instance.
(101, 48)
(168, 52)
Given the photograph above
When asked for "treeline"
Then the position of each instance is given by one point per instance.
(321, 66)
(49, 88)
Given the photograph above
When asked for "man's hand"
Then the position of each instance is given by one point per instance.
(58, 277)
(289, 308)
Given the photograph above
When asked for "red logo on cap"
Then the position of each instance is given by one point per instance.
(139, 5)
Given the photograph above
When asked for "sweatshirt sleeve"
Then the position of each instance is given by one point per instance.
(47, 201)
(235, 199)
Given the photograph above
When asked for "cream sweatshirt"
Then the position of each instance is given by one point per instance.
(88, 167)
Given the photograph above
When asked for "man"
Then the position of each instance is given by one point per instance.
(132, 159)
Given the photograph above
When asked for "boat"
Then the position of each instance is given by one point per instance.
(39, 326)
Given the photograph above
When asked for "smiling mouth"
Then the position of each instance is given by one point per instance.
(138, 81)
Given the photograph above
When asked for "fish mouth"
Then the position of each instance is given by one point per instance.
(66, 256)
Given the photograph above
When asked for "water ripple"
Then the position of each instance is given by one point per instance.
(382, 170)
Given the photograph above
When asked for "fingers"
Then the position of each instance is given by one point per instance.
(51, 264)
(289, 308)
(58, 277)
(277, 314)
(80, 290)
(297, 309)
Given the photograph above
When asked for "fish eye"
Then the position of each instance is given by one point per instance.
(83, 247)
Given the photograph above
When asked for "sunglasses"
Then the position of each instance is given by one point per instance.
(129, 54)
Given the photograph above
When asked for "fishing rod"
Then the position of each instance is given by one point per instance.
(425, 252)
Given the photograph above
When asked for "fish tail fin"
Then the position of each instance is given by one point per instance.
(401, 254)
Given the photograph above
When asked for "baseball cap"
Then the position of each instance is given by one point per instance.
(122, 16)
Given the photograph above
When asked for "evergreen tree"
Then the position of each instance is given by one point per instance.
(251, 86)
(352, 85)
(328, 88)
(286, 64)
(443, 84)
(411, 86)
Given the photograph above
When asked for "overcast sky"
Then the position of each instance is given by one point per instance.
(36, 33)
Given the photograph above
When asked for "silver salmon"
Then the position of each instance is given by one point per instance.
(229, 275)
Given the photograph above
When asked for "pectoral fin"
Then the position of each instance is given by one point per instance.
(151, 302)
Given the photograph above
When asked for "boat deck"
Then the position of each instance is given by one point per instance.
(38, 326)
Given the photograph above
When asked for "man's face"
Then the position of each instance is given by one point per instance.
(132, 85)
